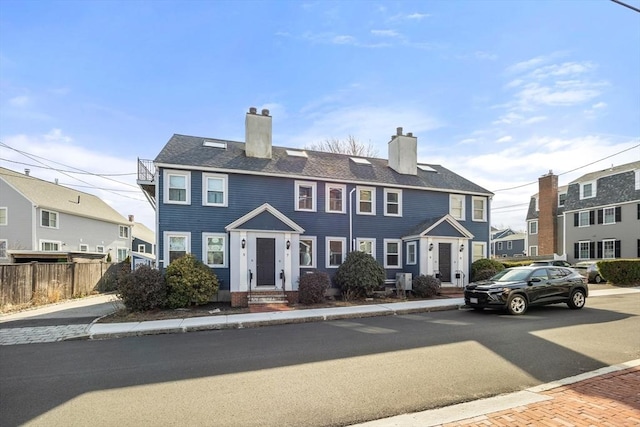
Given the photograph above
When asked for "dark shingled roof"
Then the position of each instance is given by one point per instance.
(188, 151)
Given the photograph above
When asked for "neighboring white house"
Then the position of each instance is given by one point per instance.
(39, 219)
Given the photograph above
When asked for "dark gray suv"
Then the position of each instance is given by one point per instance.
(515, 289)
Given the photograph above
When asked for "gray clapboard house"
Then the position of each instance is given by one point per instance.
(41, 220)
(594, 217)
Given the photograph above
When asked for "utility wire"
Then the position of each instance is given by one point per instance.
(572, 170)
(78, 173)
(626, 5)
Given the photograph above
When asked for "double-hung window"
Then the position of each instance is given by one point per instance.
(479, 208)
(122, 254)
(584, 218)
(499, 246)
(214, 249)
(336, 251)
(479, 250)
(214, 188)
(49, 219)
(177, 187)
(587, 190)
(335, 198)
(84, 248)
(305, 196)
(366, 203)
(123, 231)
(307, 252)
(4, 216)
(533, 227)
(456, 206)
(509, 245)
(392, 253)
(584, 250)
(412, 253)
(609, 249)
(609, 215)
(176, 245)
(368, 246)
(392, 202)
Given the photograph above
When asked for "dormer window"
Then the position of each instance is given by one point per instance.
(588, 190)
(562, 198)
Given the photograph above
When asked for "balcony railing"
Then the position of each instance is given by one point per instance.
(146, 170)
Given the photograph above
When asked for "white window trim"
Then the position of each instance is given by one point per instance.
(121, 228)
(565, 199)
(529, 227)
(225, 253)
(604, 216)
(167, 174)
(373, 200)
(167, 235)
(484, 209)
(499, 246)
(399, 245)
(533, 249)
(593, 190)
(399, 193)
(126, 253)
(580, 219)
(100, 249)
(482, 245)
(314, 195)
(413, 245)
(329, 239)
(366, 239)
(225, 189)
(314, 251)
(6, 249)
(142, 249)
(42, 211)
(509, 245)
(580, 243)
(463, 201)
(327, 197)
(613, 249)
(57, 242)
(84, 247)
(6, 215)
(537, 203)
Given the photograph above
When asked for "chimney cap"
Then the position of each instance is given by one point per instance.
(399, 131)
(253, 110)
(265, 112)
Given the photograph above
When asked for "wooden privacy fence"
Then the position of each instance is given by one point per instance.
(50, 282)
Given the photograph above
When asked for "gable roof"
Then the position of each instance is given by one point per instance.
(627, 167)
(277, 220)
(189, 152)
(142, 232)
(515, 236)
(443, 226)
(58, 198)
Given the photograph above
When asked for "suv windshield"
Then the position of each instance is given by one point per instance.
(511, 275)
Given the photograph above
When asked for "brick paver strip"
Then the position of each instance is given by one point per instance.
(608, 400)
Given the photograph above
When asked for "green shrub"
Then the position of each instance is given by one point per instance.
(189, 281)
(485, 264)
(484, 274)
(312, 287)
(623, 272)
(143, 289)
(425, 286)
(359, 275)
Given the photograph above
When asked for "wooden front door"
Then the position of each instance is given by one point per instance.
(444, 261)
(266, 261)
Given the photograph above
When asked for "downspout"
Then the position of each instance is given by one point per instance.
(351, 221)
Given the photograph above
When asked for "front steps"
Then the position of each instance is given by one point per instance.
(261, 302)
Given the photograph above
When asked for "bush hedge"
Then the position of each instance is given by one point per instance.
(189, 281)
(359, 275)
(425, 286)
(143, 289)
(312, 287)
(485, 264)
(622, 272)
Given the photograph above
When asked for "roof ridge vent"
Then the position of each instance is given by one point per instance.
(214, 144)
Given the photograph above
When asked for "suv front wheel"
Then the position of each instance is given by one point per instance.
(517, 304)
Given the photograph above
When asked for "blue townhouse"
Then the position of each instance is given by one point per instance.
(261, 215)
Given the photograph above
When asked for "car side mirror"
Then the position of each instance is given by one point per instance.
(535, 280)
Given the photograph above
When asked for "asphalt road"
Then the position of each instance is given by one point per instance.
(315, 374)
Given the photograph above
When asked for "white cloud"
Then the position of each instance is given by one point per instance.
(19, 101)
(385, 33)
(599, 105)
(506, 138)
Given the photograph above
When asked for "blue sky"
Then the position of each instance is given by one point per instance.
(498, 91)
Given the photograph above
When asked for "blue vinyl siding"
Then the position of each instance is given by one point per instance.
(247, 192)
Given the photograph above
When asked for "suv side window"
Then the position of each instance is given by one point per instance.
(540, 274)
(557, 273)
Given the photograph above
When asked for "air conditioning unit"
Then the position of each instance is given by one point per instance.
(404, 281)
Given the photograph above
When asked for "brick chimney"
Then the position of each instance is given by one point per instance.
(403, 153)
(258, 134)
(547, 214)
